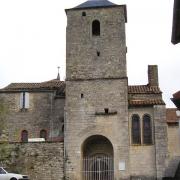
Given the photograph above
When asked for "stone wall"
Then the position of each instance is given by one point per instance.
(161, 140)
(40, 161)
(44, 112)
(86, 117)
(142, 157)
(173, 149)
(82, 61)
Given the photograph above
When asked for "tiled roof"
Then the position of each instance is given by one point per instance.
(47, 85)
(144, 89)
(95, 3)
(171, 115)
(176, 95)
(145, 102)
(176, 99)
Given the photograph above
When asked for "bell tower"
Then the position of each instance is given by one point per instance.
(96, 124)
(96, 45)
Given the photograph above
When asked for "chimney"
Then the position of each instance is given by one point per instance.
(153, 75)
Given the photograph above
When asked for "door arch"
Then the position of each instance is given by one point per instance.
(98, 158)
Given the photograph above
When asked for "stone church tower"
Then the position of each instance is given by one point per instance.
(96, 113)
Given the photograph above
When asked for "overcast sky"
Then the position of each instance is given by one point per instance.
(32, 41)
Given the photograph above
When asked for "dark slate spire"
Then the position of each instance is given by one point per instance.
(95, 3)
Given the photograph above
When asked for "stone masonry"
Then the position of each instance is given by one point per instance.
(90, 115)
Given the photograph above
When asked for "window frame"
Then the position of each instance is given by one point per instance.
(43, 131)
(141, 123)
(96, 28)
(150, 130)
(24, 139)
(24, 100)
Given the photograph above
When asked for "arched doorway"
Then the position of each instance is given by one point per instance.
(97, 159)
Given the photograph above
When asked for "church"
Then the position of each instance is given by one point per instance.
(93, 125)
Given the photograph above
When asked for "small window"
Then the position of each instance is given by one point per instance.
(82, 95)
(24, 100)
(135, 129)
(147, 129)
(106, 110)
(43, 134)
(83, 13)
(98, 53)
(24, 136)
(63, 128)
(96, 28)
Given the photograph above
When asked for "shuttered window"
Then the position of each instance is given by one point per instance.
(24, 100)
(147, 129)
(136, 130)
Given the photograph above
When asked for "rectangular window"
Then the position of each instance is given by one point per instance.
(24, 100)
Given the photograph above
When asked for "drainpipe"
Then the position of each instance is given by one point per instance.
(64, 142)
(178, 116)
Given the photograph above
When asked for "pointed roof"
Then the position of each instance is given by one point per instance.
(95, 4)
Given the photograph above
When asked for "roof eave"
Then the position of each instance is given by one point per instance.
(99, 7)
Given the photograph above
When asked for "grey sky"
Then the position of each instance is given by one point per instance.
(32, 41)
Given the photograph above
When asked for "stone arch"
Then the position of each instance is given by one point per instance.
(97, 144)
(98, 158)
(96, 28)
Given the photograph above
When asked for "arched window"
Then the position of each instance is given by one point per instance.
(135, 129)
(147, 129)
(43, 134)
(96, 28)
(24, 136)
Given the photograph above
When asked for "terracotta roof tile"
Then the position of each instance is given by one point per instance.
(171, 115)
(176, 95)
(47, 85)
(143, 102)
(144, 89)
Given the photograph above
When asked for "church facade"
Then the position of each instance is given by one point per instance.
(102, 127)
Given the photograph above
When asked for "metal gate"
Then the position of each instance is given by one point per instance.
(98, 168)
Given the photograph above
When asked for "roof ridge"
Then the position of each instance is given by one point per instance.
(94, 4)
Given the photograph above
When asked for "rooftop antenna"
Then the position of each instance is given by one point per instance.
(58, 76)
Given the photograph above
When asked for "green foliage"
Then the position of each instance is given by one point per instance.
(3, 125)
(3, 109)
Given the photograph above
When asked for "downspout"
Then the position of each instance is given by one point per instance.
(64, 161)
